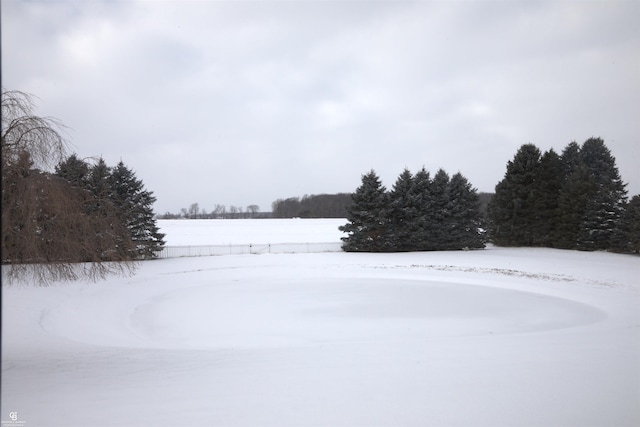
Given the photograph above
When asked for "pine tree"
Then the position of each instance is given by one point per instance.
(135, 205)
(93, 192)
(464, 225)
(73, 170)
(98, 183)
(630, 239)
(367, 216)
(545, 199)
(421, 235)
(603, 212)
(570, 159)
(511, 211)
(576, 187)
(403, 214)
(577, 190)
(440, 212)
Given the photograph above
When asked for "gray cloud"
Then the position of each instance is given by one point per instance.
(245, 102)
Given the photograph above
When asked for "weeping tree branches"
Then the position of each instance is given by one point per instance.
(48, 233)
(25, 133)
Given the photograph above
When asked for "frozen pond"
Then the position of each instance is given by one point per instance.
(526, 337)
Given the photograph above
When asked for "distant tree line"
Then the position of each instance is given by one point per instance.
(313, 206)
(575, 200)
(418, 214)
(309, 206)
(218, 212)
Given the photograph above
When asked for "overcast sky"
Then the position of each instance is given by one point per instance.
(245, 102)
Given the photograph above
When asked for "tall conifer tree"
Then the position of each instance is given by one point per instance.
(570, 159)
(421, 236)
(630, 239)
(403, 214)
(135, 205)
(464, 226)
(577, 190)
(440, 212)
(545, 199)
(512, 211)
(367, 216)
(603, 212)
(74, 170)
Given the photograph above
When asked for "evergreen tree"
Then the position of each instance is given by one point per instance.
(440, 212)
(575, 193)
(73, 170)
(135, 205)
(367, 216)
(91, 186)
(576, 187)
(545, 199)
(115, 242)
(421, 235)
(417, 214)
(603, 212)
(630, 239)
(464, 209)
(570, 159)
(99, 185)
(512, 211)
(403, 214)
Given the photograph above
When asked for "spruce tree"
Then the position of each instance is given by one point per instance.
(91, 186)
(577, 190)
(570, 159)
(576, 187)
(99, 185)
(440, 212)
(630, 239)
(367, 216)
(421, 235)
(73, 170)
(115, 242)
(135, 205)
(403, 214)
(512, 211)
(465, 219)
(545, 199)
(603, 212)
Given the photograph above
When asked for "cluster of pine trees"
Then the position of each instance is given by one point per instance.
(63, 218)
(418, 214)
(575, 200)
(116, 192)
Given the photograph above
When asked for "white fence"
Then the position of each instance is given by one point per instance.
(266, 248)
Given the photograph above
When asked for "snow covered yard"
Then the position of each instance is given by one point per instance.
(499, 337)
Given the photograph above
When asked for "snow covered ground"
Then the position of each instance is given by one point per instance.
(245, 231)
(498, 337)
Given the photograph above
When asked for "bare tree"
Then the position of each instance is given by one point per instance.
(22, 132)
(253, 210)
(235, 212)
(48, 233)
(194, 210)
(219, 211)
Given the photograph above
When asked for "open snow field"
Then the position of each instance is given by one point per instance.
(245, 231)
(498, 337)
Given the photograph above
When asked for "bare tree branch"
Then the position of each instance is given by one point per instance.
(49, 232)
